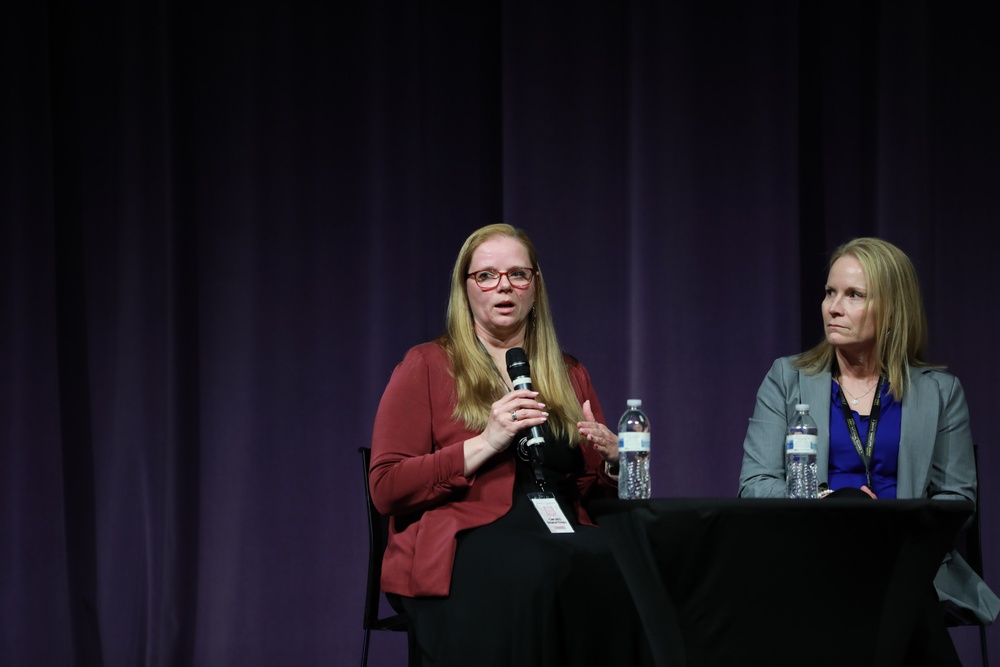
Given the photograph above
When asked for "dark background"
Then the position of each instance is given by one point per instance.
(223, 224)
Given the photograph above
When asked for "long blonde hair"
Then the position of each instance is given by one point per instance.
(894, 300)
(477, 380)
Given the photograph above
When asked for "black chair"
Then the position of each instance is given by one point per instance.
(378, 532)
(969, 545)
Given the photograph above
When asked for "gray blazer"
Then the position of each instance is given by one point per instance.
(935, 455)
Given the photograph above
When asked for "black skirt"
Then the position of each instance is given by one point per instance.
(521, 595)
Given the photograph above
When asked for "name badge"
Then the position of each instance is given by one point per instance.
(551, 513)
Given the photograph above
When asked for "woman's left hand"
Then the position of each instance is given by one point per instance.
(603, 440)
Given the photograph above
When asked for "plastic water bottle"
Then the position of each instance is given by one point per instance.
(800, 455)
(633, 452)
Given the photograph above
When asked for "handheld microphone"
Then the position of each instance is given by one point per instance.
(520, 376)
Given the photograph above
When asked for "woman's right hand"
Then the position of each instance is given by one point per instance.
(516, 410)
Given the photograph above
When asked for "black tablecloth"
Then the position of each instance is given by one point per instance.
(780, 582)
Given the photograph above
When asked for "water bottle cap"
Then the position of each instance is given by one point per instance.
(634, 402)
(801, 406)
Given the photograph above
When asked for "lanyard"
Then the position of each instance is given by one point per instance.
(535, 456)
(532, 455)
(852, 428)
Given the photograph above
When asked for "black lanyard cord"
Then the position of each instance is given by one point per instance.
(539, 475)
(864, 453)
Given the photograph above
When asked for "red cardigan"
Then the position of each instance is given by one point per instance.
(417, 468)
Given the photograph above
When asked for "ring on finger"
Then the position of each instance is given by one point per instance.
(513, 415)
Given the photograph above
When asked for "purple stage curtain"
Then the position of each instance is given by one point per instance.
(223, 224)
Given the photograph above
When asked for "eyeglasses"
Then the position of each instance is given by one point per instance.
(489, 279)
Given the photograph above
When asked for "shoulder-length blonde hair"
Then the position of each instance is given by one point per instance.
(478, 381)
(894, 301)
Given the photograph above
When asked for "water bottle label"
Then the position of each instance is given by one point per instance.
(633, 442)
(800, 443)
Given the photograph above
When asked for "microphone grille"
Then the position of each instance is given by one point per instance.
(517, 360)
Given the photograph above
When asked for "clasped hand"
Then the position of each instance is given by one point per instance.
(515, 411)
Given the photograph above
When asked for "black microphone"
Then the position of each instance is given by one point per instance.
(520, 375)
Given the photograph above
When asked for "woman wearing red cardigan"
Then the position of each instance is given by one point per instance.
(491, 551)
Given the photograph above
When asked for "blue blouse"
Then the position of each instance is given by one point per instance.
(846, 468)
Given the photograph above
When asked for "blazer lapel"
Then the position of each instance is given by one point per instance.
(916, 435)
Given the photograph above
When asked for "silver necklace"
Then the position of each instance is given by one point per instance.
(856, 399)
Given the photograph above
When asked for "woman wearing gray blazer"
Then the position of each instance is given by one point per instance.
(871, 363)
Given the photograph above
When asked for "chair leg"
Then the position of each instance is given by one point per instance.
(364, 649)
(982, 645)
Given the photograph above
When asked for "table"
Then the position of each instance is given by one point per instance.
(780, 581)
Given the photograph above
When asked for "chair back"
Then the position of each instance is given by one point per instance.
(378, 535)
(973, 536)
(969, 545)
